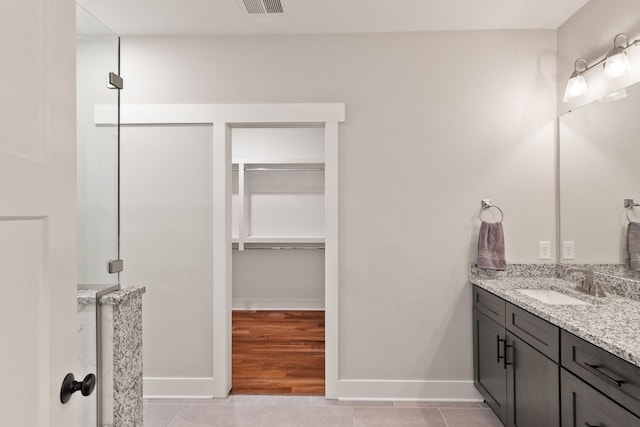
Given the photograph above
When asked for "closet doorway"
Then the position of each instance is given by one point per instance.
(215, 380)
(278, 335)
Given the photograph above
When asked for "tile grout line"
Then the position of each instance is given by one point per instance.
(174, 416)
(263, 418)
(443, 417)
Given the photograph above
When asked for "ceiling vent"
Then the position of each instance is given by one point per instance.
(263, 7)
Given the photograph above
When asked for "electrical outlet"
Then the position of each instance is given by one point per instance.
(568, 249)
(544, 248)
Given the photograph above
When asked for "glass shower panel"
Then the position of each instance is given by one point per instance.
(97, 150)
(97, 55)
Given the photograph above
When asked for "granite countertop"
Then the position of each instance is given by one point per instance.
(612, 322)
(88, 296)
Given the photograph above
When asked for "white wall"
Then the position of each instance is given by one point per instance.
(278, 279)
(279, 204)
(589, 34)
(166, 242)
(277, 143)
(435, 122)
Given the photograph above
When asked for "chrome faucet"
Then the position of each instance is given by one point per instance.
(588, 285)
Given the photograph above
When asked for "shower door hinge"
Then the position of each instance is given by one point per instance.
(115, 266)
(115, 81)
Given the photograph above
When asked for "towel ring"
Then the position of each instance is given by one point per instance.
(629, 207)
(486, 204)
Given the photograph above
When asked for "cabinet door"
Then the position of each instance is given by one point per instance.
(611, 375)
(489, 369)
(533, 389)
(582, 405)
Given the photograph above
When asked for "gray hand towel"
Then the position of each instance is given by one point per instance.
(633, 245)
(491, 246)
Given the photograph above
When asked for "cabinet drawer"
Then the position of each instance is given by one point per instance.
(615, 377)
(538, 333)
(489, 304)
(584, 406)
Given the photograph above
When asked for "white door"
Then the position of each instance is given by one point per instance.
(37, 212)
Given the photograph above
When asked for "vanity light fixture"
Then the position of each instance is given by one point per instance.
(617, 70)
(616, 64)
(576, 86)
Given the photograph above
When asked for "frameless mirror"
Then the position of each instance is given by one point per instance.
(599, 148)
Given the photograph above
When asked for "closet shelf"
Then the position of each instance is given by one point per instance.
(252, 165)
(261, 191)
(254, 161)
(279, 239)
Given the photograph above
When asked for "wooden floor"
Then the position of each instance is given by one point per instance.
(278, 352)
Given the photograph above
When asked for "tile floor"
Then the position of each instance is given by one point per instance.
(307, 411)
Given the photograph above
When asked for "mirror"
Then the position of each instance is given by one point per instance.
(599, 148)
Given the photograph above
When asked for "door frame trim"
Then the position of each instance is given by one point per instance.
(223, 117)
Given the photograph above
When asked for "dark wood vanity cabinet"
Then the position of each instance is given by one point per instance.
(618, 379)
(532, 387)
(598, 388)
(531, 373)
(490, 376)
(582, 405)
(515, 362)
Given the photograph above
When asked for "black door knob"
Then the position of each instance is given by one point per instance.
(70, 386)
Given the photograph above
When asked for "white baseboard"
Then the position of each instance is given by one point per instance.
(277, 304)
(437, 391)
(156, 388)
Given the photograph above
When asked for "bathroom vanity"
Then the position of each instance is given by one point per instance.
(545, 364)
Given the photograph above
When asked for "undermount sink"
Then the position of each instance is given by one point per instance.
(549, 296)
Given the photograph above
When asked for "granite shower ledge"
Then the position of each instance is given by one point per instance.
(612, 322)
(88, 296)
(121, 333)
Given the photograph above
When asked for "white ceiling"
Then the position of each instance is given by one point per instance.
(200, 17)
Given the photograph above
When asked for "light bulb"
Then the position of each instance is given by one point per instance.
(617, 69)
(617, 66)
(576, 87)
